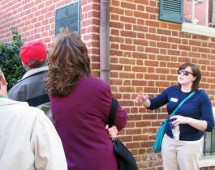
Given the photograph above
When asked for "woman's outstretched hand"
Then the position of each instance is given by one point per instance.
(142, 99)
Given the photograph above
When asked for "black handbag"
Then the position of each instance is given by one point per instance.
(125, 158)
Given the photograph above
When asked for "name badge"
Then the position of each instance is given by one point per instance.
(173, 99)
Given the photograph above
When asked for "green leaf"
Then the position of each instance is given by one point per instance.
(9, 58)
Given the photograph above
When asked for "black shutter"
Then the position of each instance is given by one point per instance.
(68, 16)
(172, 10)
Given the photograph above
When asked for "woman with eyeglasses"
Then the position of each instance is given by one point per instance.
(183, 140)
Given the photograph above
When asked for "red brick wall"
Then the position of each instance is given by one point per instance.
(145, 54)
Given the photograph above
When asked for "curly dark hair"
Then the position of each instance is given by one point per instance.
(68, 63)
(196, 73)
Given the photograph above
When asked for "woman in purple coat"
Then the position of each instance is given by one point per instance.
(80, 105)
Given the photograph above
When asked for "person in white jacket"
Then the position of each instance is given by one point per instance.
(28, 139)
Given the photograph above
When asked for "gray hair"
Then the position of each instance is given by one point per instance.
(43, 63)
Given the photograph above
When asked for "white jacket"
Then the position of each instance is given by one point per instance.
(28, 140)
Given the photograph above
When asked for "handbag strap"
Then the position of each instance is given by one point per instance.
(182, 102)
(113, 108)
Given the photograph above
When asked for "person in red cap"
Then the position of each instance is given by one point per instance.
(33, 54)
(31, 88)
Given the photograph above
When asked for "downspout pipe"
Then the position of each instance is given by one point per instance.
(104, 41)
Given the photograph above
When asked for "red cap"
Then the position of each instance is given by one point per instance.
(33, 53)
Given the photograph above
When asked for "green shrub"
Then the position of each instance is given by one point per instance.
(9, 58)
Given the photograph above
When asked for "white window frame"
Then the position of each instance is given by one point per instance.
(207, 161)
(198, 29)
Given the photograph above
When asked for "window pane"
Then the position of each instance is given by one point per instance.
(188, 11)
(209, 143)
(197, 12)
(211, 13)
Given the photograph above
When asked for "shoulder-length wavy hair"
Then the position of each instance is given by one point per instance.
(68, 63)
(196, 73)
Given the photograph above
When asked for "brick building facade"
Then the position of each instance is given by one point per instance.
(144, 55)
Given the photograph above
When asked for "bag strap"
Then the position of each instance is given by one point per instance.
(113, 108)
(182, 102)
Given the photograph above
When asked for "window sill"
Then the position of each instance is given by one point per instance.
(207, 161)
(198, 29)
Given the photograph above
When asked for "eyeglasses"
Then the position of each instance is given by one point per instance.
(185, 72)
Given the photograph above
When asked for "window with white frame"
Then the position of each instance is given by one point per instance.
(196, 16)
(208, 158)
(199, 17)
(209, 140)
(200, 12)
(209, 143)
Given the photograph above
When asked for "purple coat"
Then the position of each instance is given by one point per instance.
(80, 120)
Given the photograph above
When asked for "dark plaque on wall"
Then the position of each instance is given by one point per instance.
(68, 16)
